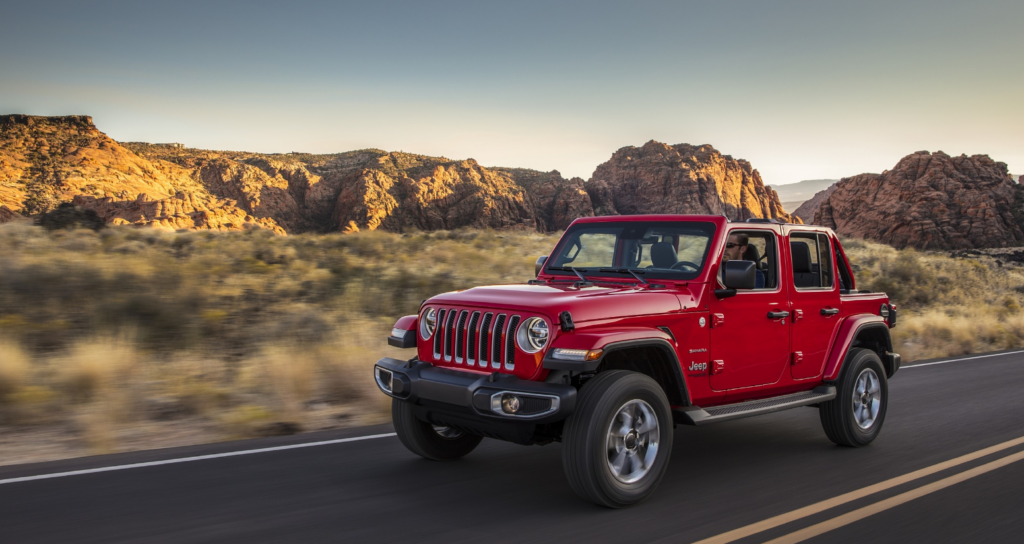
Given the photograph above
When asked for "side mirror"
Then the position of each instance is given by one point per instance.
(540, 265)
(739, 275)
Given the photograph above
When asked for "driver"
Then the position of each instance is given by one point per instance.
(735, 248)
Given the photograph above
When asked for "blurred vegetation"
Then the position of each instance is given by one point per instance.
(949, 304)
(241, 334)
(247, 332)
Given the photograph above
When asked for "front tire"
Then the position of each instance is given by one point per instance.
(616, 446)
(433, 442)
(854, 418)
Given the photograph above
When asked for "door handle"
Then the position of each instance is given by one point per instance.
(777, 315)
(829, 311)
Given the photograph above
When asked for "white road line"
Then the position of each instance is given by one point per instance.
(311, 444)
(963, 359)
(196, 458)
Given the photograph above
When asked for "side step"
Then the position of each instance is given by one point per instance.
(695, 415)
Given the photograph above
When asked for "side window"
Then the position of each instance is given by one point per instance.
(812, 261)
(760, 247)
(825, 260)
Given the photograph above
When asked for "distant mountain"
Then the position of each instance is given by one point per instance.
(793, 195)
(49, 161)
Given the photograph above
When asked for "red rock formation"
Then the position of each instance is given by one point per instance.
(48, 160)
(433, 194)
(928, 201)
(45, 161)
(558, 201)
(257, 193)
(660, 178)
(807, 210)
(182, 211)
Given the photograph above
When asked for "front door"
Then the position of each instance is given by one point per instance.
(815, 302)
(749, 331)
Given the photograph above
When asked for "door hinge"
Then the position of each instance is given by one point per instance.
(797, 315)
(717, 320)
(798, 357)
(717, 367)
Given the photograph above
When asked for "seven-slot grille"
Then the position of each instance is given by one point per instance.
(475, 338)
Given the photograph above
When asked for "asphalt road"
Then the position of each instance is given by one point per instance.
(722, 477)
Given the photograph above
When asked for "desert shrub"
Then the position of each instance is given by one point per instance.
(69, 216)
(949, 305)
(14, 369)
(250, 332)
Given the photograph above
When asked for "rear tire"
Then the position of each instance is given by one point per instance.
(854, 418)
(430, 441)
(616, 446)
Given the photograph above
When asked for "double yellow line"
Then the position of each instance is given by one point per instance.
(861, 513)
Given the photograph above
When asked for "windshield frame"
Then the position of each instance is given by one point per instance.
(708, 228)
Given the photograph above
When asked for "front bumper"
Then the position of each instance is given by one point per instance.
(473, 402)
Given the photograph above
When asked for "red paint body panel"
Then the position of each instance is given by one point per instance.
(406, 323)
(843, 340)
(755, 350)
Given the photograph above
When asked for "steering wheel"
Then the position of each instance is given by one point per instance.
(681, 264)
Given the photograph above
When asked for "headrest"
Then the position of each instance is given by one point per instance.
(663, 255)
(801, 257)
(751, 254)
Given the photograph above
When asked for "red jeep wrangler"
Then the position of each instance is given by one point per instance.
(635, 324)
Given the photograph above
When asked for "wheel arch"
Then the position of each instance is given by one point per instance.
(868, 332)
(653, 357)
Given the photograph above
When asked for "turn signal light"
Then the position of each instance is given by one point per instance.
(577, 354)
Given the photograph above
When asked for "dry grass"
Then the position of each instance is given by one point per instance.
(948, 305)
(107, 338)
(241, 334)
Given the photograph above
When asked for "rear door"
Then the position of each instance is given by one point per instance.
(814, 295)
(749, 333)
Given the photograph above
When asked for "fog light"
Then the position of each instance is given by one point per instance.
(510, 404)
(383, 377)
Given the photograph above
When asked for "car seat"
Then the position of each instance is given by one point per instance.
(751, 254)
(803, 274)
(663, 255)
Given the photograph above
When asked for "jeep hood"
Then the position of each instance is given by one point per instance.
(585, 304)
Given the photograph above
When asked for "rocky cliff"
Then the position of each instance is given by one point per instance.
(45, 161)
(683, 178)
(929, 201)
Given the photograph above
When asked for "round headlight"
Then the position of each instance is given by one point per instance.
(532, 335)
(428, 322)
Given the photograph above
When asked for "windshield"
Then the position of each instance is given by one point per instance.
(654, 249)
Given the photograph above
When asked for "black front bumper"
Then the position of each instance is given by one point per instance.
(464, 400)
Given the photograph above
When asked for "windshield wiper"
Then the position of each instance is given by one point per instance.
(635, 272)
(576, 271)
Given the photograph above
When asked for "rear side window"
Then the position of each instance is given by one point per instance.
(811, 255)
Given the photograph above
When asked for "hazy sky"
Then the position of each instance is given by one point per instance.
(801, 89)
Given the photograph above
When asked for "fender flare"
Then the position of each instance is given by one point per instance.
(659, 343)
(848, 332)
